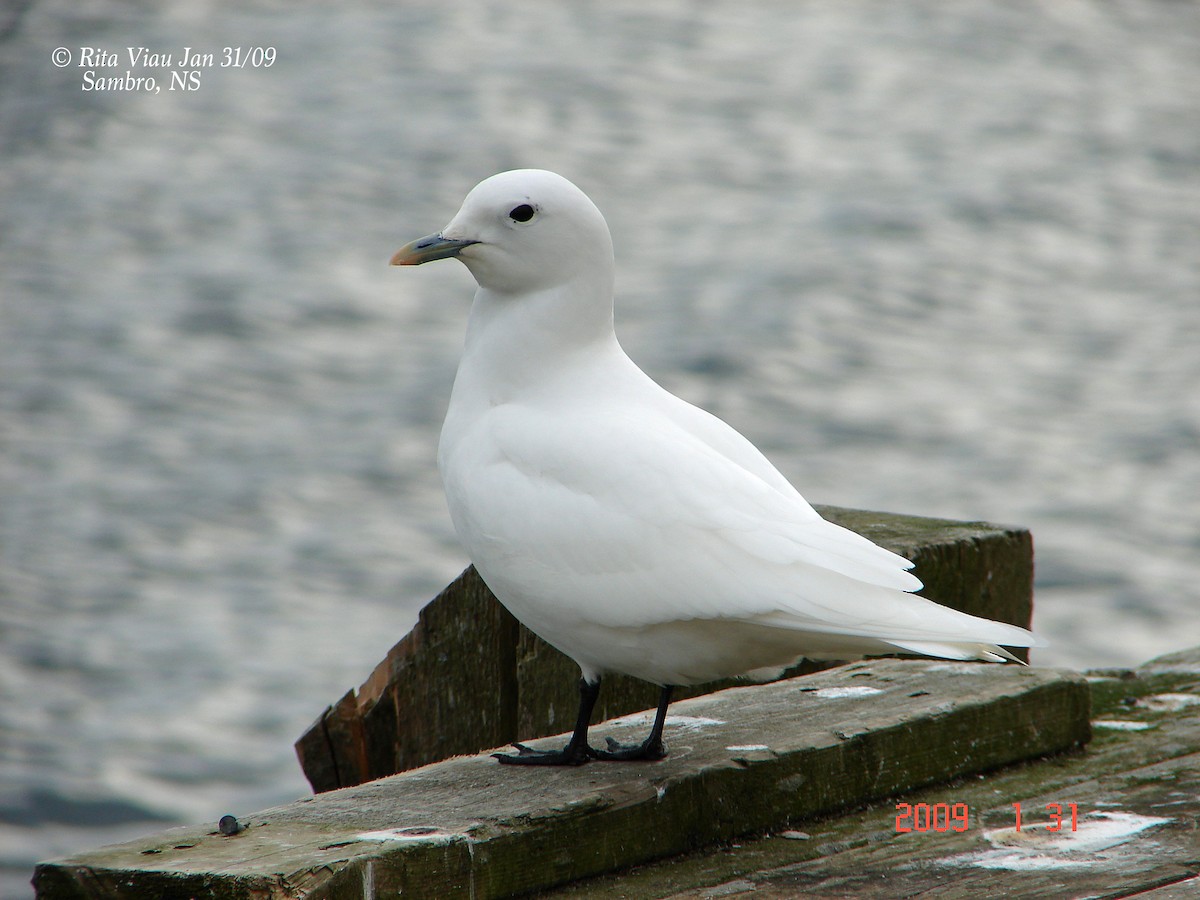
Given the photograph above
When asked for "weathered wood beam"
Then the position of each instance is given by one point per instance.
(742, 761)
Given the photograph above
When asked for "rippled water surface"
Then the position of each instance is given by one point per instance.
(937, 259)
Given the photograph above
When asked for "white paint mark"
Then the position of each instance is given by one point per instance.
(1023, 862)
(1168, 702)
(647, 718)
(369, 880)
(1120, 725)
(838, 693)
(411, 833)
(1096, 831)
(728, 888)
(692, 721)
(471, 869)
(747, 748)
(1036, 847)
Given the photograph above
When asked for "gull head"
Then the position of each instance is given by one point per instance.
(521, 231)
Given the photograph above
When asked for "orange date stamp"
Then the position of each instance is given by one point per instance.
(922, 818)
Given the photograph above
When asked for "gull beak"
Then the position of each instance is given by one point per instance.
(427, 249)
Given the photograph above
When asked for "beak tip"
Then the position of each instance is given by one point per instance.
(427, 249)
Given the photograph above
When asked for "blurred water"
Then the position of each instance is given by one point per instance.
(943, 260)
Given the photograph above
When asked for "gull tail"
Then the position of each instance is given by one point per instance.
(944, 650)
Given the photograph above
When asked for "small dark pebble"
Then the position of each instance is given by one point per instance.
(229, 825)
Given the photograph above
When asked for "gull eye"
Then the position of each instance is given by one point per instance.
(522, 213)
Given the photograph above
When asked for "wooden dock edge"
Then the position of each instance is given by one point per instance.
(468, 676)
(1116, 821)
(743, 761)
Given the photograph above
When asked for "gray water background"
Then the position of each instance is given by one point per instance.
(935, 258)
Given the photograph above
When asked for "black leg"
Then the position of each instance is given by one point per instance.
(653, 747)
(577, 751)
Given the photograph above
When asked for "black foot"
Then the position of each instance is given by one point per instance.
(570, 755)
(651, 750)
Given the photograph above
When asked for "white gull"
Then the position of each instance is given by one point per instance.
(633, 531)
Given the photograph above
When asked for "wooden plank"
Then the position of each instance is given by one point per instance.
(1136, 792)
(449, 687)
(469, 677)
(742, 761)
(1187, 889)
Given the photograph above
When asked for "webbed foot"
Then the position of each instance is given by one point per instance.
(570, 755)
(651, 749)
